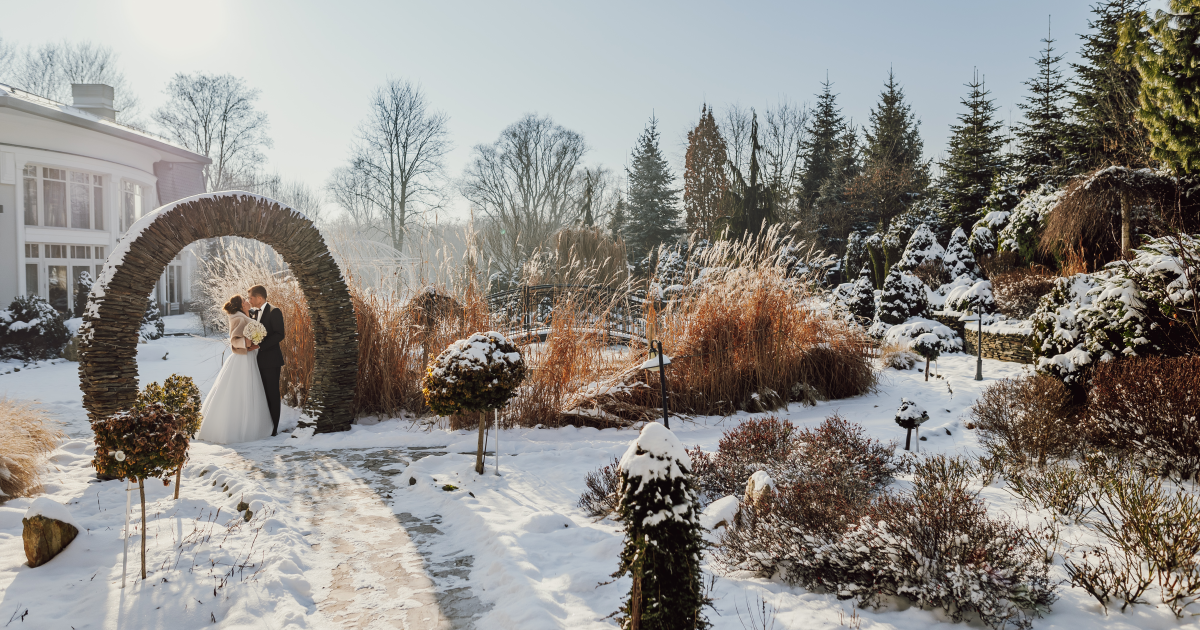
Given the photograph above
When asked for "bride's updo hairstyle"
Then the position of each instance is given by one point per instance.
(234, 305)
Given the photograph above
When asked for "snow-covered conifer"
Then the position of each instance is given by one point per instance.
(959, 261)
(663, 537)
(856, 254)
(83, 286)
(904, 296)
(152, 323)
(861, 298)
(922, 248)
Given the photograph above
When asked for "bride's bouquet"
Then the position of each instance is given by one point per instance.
(255, 331)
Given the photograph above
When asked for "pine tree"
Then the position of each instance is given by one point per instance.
(663, 536)
(1168, 61)
(959, 261)
(893, 171)
(861, 301)
(833, 210)
(1105, 95)
(904, 296)
(653, 214)
(1044, 132)
(704, 178)
(974, 158)
(822, 146)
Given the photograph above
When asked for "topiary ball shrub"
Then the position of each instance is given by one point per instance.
(929, 346)
(32, 330)
(910, 416)
(479, 373)
(180, 396)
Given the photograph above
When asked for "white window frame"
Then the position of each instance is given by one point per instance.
(141, 192)
(95, 182)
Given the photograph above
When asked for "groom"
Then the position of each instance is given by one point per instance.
(270, 357)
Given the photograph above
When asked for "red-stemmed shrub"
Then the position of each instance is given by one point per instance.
(1017, 292)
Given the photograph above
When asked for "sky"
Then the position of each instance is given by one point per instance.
(601, 69)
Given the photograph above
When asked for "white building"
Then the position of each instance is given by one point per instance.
(72, 180)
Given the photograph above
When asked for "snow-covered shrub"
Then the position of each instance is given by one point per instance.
(83, 286)
(27, 436)
(857, 255)
(32, 330)
(1152, 406)
(152, 324)
(931, 274)
(479, 373)
(837, 451)
(1027, 420)
(922, 248)
(907, 333)
(929, 346)
(976, 298)
(1017, 292)
(1059, 328)
(1025, 225)
(959, 260)
(672, 275)
(663, 537)
(860, 297)
(984, 233)
(603, 490)
(897, 356)
(904, 296)
(935, 546)
(910, 416)
(179, 396)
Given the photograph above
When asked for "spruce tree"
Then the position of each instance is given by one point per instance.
(904, 296)
(822, 146)
(1168, 60)
(152, 324)
(861, 299)
(974, 158)
(856, 256)
(833, 210)
(922, 248)
(1044, 132)
(893, 171)
(704, 178)
(959, 261)
(653, 214)
(619, 221)
(663, 536)
(1105, 96)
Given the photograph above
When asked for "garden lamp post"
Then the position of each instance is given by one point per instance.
(968, 318)
(658, 362)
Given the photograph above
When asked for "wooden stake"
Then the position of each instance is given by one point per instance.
(142, 492)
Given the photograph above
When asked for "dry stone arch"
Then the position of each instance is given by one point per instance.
(108, 363)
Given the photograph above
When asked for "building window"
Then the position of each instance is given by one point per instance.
(81, 251)
(31, 250)
(56, 251)
(99, 253)
(131, 204)
(31, 279)
(68, 198)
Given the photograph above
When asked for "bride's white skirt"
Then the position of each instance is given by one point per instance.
(236, 407)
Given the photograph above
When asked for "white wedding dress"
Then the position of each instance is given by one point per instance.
(235, 409)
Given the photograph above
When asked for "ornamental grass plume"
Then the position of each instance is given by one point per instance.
(27, 435)
(143, 442)
(663, 539)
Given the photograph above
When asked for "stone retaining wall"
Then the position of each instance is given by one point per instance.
(995, 346)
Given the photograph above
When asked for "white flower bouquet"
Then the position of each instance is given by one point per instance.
(255, 332)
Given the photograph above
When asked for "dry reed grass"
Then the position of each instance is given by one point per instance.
(27, 435)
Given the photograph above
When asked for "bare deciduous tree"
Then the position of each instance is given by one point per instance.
(527, 185)
(397, 166)
(349, 190)
(782, 137)
(295, 193)
(50, 69)
(735, 129)
(215, 115)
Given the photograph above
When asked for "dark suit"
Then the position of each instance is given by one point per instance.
(270, 359)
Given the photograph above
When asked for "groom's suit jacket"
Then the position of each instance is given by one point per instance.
(269, 354)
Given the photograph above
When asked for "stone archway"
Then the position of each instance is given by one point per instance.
(108, 364)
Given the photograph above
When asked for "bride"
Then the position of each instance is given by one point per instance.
(236, 407)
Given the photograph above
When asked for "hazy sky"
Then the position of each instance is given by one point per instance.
(599, 68)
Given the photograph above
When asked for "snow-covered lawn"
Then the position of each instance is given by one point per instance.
(508, 551)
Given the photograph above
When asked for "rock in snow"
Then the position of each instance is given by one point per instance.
(48, 529)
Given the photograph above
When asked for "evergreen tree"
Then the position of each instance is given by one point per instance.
(619, 221)
(83, 287)
(1168, 60)
(1105, 95)
(1044, 132)
(834, 212)
(704, 178)
(904, 296)
(893, 172)
(974, 158)
(589, 191)
(653, 214)
(663, 536)
(152, 323)
(822, 146)
(861, 300)
(856, 253)
(922, 248)
(959, 261)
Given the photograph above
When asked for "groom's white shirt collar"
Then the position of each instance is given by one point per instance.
(258, 318)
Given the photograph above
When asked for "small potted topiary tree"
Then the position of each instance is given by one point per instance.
(929, 346)
(477, 374)
(180, 396)
(910, 416)
(663, 536)
(138, 444)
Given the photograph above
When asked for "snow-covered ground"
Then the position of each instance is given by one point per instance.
(387, 525)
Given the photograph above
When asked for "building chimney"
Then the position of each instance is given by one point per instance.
(95, 99)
